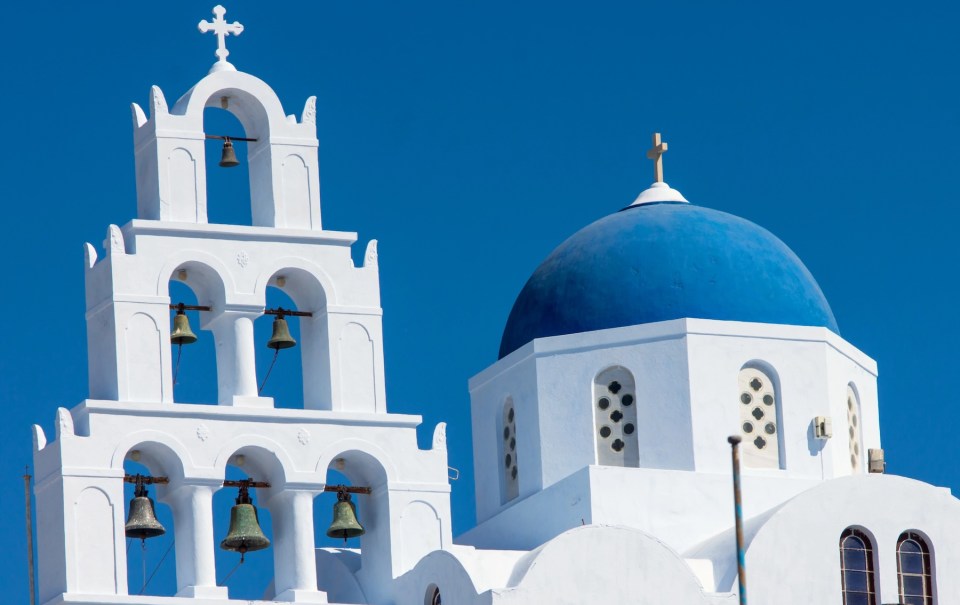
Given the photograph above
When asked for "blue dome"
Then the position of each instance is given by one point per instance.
(661, 261)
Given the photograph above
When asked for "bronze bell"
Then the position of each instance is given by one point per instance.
(281, 338)
(345, 524)
(142, 521)
(182, 334)
(228, 159)
(245, 534)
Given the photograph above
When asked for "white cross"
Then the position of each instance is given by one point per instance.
(222, 29)
(656, 154)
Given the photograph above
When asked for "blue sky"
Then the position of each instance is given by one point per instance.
(472, 138)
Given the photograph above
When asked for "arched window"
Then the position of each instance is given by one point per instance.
(759, 418)
(853, 427)
(856, 564)
(913, 570)
(510, 478)
(615, 414)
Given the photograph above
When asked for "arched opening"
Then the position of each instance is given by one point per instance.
(759, 402)
(432, 597)
(357, 469)
(251, 579)
(308, 365)
(854, 432)
(280, 370)
(615, 416)
(228, 189)
(508, 461)
(194, 364)
(857, 567)
(914, 569)
(324, 513)
(150, 543)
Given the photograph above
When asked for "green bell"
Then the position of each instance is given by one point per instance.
(281, 338)
(142, 521)
(245, 534)
(345, 524)
(182, 334)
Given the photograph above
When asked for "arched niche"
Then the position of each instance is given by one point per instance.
(361, 466)
(193, 367)
(262, 462)
(760, 403)
(281, 372)
(282, 160)
(228, 188)
(311, 290)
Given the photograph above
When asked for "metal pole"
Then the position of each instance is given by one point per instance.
(30, 575)
(734, 442)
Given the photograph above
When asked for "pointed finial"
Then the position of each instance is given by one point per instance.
(221, 29)
(656, 154)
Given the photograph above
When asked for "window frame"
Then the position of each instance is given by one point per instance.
(853, 533)
(926, 573)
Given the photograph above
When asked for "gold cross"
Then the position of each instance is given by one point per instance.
(656, 154)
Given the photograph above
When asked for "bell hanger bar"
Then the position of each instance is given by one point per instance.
(224, 138)
(183, 307)
(349, 489)
(245, 483)
(145, 479)
(280, 311)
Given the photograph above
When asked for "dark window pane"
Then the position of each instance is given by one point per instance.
(853, 557)
(858, 598)
(912, 585)
(909, 546)
(907, 600)
(855, 581)
(911, 563)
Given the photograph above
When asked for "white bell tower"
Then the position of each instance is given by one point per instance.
(132, 411)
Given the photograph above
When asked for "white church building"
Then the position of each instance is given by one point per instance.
(603, 471)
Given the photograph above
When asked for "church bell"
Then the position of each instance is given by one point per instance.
(345, 524)
(281, 338)
(182, 334)
(142, 521)
(228, 159)
(245, 534)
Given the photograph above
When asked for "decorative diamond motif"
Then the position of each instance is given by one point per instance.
(756, 384)
(303, 436)
(614, 387)
(757, 413)
(203, 432)
(760, 442)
